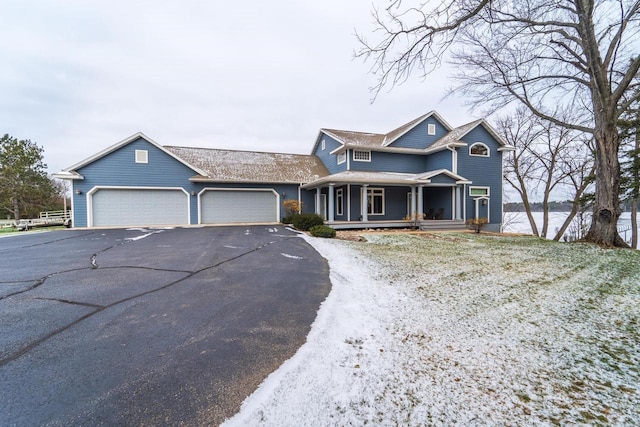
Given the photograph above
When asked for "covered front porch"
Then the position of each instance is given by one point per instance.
(432, 200)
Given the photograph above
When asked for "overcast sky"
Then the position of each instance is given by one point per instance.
(77, 76)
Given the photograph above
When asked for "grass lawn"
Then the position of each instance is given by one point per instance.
(549, 330)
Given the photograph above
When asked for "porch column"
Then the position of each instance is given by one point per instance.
(458, 202)
(331, 203)
(413, 212)
(318, 207)
(363, 203)
(420, 202)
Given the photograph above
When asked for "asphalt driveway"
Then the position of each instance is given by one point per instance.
(149, 327)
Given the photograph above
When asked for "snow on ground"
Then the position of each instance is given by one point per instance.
(463, 329)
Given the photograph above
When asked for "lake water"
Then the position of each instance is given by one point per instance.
(517, 222)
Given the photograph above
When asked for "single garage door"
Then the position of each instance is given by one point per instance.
(126, 207)
(233, 206)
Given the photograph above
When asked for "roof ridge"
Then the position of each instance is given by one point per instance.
(235, 150)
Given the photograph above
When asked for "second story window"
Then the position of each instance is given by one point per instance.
(431, 129)
(479, 149)
(142, 156)
(342, 157)
(361, 156)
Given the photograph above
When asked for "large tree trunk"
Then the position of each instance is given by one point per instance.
(606, 209)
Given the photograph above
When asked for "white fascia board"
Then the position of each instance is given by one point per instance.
(433, 113)
(67, 175)
(398, 150)
(332, 135)
(124, 142)
(507, 148)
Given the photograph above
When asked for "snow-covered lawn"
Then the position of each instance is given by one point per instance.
(464, 329)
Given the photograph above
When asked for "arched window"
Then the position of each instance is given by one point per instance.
(479, 149)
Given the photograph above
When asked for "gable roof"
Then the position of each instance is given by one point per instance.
(116, 146)
(381, 142)
(250, 166)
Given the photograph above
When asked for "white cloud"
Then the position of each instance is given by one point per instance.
(78, 76)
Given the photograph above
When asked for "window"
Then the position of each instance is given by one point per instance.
(431, 129)
(142, 156)
(339, 201)
(479, 149)
(342, 157)
(361, 156)
(375, 201)
(323, 144)
(479, 191)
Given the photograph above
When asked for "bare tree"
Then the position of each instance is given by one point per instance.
(552, 56)
(548, 159)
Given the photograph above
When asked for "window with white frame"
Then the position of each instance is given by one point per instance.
(339, 201)
(342, 157)
(323, 144)
(375, 201)
(431, 129)
(479, 149)
(361, 156)
(479, 191)
(142, 156)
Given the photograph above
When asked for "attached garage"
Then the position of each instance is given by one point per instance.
(221, 206)
(138, 207)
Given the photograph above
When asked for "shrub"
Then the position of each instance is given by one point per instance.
(322, 231)
(305, 221)
(477, 224)
(291, 207)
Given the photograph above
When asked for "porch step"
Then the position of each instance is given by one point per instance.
(443, 225)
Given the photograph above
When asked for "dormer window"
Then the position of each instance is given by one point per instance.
(342, 157)
(479, 149)
(323, 145)
(431, 129)
(142, 156)
(361, 156)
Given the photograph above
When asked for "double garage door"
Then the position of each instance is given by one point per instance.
(143, 207)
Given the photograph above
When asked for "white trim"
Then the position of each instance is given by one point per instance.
(323, 144)
(96, 188)
(126, 141)
(368, 155)
(348, 160)
(205, 189)
(348, 202)
(433, 113)
(479, 187)
(73, 220)
(339, 206)
(372, 190)
(477, 200)
(342, 157)
(431, 129)
(141, 156)
(475, 144)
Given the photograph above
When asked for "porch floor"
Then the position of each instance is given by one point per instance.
(440, 224)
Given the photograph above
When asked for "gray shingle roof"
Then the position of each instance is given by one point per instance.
(249, 166)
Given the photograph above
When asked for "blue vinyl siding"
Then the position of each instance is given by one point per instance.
(443, 179)
(330, 160)
(119, 169)
(483, 172)
(440, 160)
(418, 137)
(390, 162)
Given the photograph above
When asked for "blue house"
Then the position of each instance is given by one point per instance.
(425, 172)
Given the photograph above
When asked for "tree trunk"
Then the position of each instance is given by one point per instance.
(16, 208)
(567, 221)
(606, 208)
(634, 224)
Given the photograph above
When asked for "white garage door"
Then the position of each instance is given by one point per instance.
(127, 207)
(247, 206)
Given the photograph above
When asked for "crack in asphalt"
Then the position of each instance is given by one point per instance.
(47, 243)
(100, 308)
(66, 301)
